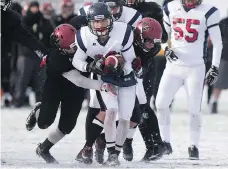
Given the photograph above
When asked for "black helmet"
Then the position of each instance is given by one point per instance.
(97, 12)
(5, 4)
(115, 5)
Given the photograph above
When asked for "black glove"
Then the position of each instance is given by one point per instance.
(169, 54)
(212, 75)
(96, 66)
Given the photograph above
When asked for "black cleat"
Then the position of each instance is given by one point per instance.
(154, 153)
(31, 119)
(149, 155)
(44, 153)
(127, 150)
(159, 150)
(193, 153)
(169, 149)
(100, 145)
(112, 160)
(85, 155)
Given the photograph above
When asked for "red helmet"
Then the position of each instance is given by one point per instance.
(63, 37)
(189, 4)
(147, 32)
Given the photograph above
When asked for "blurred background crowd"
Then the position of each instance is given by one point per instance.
(20, 72)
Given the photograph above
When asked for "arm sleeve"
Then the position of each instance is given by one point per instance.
(79, 60)
(81, 81)
(24, 37)
(128, 54)
(215, 36)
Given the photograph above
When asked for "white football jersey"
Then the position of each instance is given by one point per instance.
(120, 40)
(189, 31)
(83, 10)
(129, 16)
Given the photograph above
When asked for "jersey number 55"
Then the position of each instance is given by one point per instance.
(188, 23)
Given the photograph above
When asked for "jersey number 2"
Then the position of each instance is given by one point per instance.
(179, 33)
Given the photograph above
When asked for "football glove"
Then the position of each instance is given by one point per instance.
(169, 54)
(107, 87)
(96, 66)
(212, 75)
(137, 67)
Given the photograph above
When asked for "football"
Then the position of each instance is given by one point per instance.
(114, 63)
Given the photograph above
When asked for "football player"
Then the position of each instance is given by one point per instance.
(13, 30)
(149, 124)
(188, 23)
(100, 37)
(58, 89)
(122, 13)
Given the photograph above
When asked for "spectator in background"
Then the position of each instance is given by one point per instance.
(48, 12)
(222, 82)
(67, 12)
(28, 64)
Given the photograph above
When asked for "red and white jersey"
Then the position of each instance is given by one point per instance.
(119, 41)
(189, 31)
(129, 16)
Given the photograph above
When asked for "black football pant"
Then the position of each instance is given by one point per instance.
(56, 91)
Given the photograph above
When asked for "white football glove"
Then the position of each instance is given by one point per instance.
(108, 87)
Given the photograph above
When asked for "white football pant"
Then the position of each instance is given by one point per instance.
(175, 76)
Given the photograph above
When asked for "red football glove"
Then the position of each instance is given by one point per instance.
(136, 64)
(43, 61)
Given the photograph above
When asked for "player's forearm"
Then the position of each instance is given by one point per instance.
(140, 92)
(81, 81)
(216, 40)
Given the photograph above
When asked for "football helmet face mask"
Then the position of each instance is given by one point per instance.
(100, 19)
(63, 38)
(6, 4)
(116, 7)
(147, 33)
(190, 4)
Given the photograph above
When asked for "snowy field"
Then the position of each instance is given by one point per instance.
(18, 145)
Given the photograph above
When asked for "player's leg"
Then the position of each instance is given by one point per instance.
(44, 113)
(126, 100)
(170, 82)
(194, 89)
(135, 120)
(149, 127)
(94, 126)
(111, 104)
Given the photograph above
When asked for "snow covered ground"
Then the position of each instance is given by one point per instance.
(18, 145)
